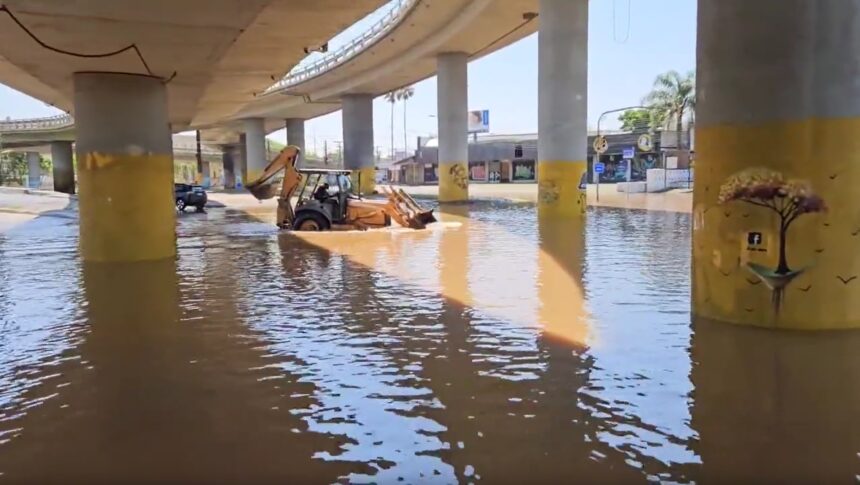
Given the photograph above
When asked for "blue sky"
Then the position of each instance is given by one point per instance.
(630, 42)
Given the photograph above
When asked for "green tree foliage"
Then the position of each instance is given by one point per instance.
(635, 119)
(672, 99)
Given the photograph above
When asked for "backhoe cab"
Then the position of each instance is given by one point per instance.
(325, 199)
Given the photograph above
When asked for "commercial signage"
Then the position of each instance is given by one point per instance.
(479, 121)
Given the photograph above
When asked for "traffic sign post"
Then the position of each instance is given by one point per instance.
(598, 169)
(628, 154)
(601, 144)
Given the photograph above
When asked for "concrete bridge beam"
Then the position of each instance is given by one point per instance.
(64, 172)
(125, 167)
(358, 140)
(228, 161)
(562, 108)
(777, 164)
(453, 119)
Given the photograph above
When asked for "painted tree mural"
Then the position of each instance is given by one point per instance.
(789, 199)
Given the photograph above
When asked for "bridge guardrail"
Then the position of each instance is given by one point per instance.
(36, 124)
(391, 19)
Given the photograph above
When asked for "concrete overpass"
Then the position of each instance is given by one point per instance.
(212, 56)
(400, 49)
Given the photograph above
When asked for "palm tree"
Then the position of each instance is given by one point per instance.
(672, 98)
(404, 94)
(391, 97)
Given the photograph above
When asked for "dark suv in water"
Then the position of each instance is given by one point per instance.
(187, 195)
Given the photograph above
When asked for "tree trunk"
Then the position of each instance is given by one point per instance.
(782, 268)
(405, 142)
(679, 126)
(392, 131)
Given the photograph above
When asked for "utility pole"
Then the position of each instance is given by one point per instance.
(339, 152)
(199, 159)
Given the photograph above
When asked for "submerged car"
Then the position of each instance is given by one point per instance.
(187, 195)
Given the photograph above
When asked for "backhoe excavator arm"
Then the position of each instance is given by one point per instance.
(262, 189)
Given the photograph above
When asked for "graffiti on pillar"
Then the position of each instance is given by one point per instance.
(789, 199)
(459, 175)
(548, 192)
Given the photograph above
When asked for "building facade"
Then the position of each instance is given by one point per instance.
(513, 159)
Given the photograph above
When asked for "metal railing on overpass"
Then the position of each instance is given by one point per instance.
(302, 73)
(37, 124)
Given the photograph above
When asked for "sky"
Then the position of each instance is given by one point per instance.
(630, 42)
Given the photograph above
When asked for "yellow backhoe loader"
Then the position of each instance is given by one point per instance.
(324, 199)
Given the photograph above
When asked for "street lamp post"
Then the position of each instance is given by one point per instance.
(596, 158)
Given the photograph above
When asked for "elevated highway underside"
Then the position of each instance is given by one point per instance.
(215, 55)
(405, 54)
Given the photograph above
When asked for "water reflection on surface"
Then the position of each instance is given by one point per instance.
(494, 347)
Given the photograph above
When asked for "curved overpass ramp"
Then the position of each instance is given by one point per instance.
(402, 53)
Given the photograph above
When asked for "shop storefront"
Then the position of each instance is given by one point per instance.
(431, 173)
(524, 171)
(477, 171)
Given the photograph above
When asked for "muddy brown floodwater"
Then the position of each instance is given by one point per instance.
(491, 348)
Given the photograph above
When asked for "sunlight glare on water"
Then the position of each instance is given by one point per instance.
(491, 347)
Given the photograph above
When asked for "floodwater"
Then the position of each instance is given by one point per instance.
(491, 348)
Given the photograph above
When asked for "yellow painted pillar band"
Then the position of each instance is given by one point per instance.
(364, 180)
(126, 207)
(453, 181)
(776, 238)
(560, 193)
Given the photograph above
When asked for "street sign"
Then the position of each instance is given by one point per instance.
(645, 143)
(599, 168)
(600, 144)
(629, 153)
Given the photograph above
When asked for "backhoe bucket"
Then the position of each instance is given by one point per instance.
(424, 216)
(263, 191)
(407, 211)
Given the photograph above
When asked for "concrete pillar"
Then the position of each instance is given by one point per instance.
(241, 165)
(296, 133)
(776, 215)
(228, 161)
(34, 170)
(562, 107)
(206, 175)
(125, 167)
(358, 140)
(453, 119)
(255, 149)
(64, 173)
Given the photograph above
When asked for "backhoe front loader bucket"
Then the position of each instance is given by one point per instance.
(406, 211)
(424, 216)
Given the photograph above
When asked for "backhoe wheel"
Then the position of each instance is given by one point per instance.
(310, 222)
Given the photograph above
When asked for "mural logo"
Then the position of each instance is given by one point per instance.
(789, 199)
